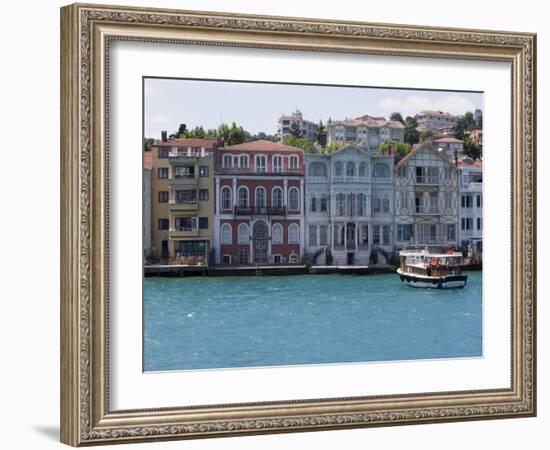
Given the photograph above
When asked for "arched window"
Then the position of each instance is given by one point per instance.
(243, 197)
(324, 203)
(363, 170)
(243, 234)
(381, 171)
(293, 199)
(226, 198)
(227, 160)
(350, 169)
(317, 169)
(293, 234)
(339, 169)
(277, 233)
(226, 234)
(293, 258)
(260, 197)
(277, 197)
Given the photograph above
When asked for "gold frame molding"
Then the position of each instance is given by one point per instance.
(86, 31)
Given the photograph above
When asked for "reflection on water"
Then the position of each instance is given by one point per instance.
(201, 322)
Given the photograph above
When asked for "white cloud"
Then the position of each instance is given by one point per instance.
(413, 104)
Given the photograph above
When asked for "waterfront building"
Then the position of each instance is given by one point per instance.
(308, 129)
(451, 147)
(365, 131)
(259, 216)
(434, 120)
(349, 211)
(471, 206)
(147, 169)
(426, 199)
(182, 200)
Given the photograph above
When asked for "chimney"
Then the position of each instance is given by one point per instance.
(164, 136)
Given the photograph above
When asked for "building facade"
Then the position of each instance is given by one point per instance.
(147, 214)
(451, 147)
(434, 120)
(308, 129)
(426, 199)
(349, 211)
(366, 131)
(259, 216)
(471, 202)
(182, 200)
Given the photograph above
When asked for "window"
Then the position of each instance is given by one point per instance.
(164, 224)
(203, 171)
(277, 197)
(226, 234)
(277, 163)
(187, 248)
(163, 172)
(227, 161)
(164, 249)
(243, 257)
(203, 223)
(163, 152)
(386, 234)
(402, 172)
(376, 205)
(478, 220)
(381, 171)
(293, 234)
(363, 170)
(312, 235)
(466, 201)
(376, 234)
(242, 197)
(186, 196)
(324, 203)
(293, 162)
(182, 151)
(323, 235)
(467, 223)
(451, 232)
(277, 234)
(404, 232)
(313, 204)
(277, 259)
(385, 205)
(184, 172)
(243, 234)
(226, 198)
(317, 169)
(293, 199)
(478, 201)
(339, 169)
(350, 169)
(340, 204)
(365, 234)
(186, 223)
(260, 163)
(203, 194)
(260, 197)
(293, 258)
(361, 204)
(226, 259)
(243, 161)
(163, 196)
(351, 204)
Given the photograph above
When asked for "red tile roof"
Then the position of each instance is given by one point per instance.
(191, 142)
(148, 160)
(449, 139)
(264, 146)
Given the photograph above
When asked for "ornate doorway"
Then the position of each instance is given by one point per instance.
(260, 235)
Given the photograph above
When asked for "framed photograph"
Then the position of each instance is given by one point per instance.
(276, 224)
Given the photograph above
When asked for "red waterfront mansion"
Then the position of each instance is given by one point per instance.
(259, 215)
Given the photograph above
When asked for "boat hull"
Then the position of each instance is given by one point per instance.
(446, 282)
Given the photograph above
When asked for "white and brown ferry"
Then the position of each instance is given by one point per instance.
(428, 269)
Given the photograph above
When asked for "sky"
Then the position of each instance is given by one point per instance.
(258, 106)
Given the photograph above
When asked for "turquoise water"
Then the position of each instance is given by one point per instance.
(202, 322)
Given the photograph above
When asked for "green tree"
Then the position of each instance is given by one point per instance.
(181, 130)
(300, 142)
(400, 149)
(471, 149)
(295, 130)
(411, 136)
(232, 134)
(147, 143)
(425, 135)
(464, 123)
(397, 117)
(332, 147)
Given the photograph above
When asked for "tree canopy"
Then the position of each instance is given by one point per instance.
(411, 136)
(300, 142)
(401, 149)
(397, 117)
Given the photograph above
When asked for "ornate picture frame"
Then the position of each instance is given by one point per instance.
(86, 34)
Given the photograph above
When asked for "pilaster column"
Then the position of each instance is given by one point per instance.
(217, 194)
(234, 192)
(285, 192)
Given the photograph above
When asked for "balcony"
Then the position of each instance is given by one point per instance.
(475, 187)
(271, 211)
(184, 180)
(349, 179)
(182, 205)
(183, 232)
(427, 210)
(181, 159)
(427, 180)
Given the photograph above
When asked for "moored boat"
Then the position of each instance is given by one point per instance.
(428, 269)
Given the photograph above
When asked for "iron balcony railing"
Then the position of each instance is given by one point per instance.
(258, 211)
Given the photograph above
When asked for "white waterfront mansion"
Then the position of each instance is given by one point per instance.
(349, 195)
(471, 206)
(426, 199)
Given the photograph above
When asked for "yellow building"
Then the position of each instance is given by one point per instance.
(182, 200)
